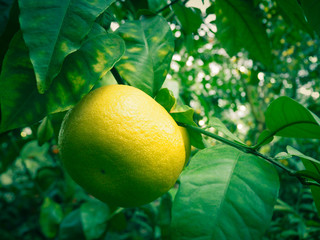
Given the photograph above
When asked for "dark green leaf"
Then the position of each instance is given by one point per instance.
(45, 131)
(50, 217)
(189, 18)
(218, 125)
(69, 22)
(5, 7)
(94, 216)
(211, 9)
(265, 137)
(184, 114)
(239, 26)
(224, 194)
(136, 5)
(56, 120)
(294, 12)
(105, 19)
(313, 166)
(155, 5)
(166, 99)
(311, 9)
(196, 139)
(71, 227)
(287, 118)
(295, 152)
(21, 104)
(12, 27)
(150, 46)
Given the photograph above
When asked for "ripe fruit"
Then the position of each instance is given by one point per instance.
(123, 147)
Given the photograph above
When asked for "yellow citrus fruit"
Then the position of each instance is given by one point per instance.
(123, 147)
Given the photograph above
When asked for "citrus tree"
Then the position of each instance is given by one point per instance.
(238, 80)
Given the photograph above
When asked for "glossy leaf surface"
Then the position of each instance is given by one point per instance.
(236, 19)
(53, 29)
(149, 49)
(21, 104)
(224, 194)
(288, 118)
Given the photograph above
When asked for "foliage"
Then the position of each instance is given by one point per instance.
(245, 72)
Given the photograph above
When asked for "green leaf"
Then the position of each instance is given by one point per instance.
(166, 99)
(5, 7)
(282, 155)
(313, 166)
(294, 152)
(150, 46)
(45, 131)
(21, 104)
(94, 216)
(71, 227)
(218, 125)
(265, 137)
(211, 9)
(105, 19)
(69, 22)
(236, 19)
(224, 194)
(294, 12)
(287, 118)
(189, 18)
(51, 216)
(12, 26)
(311, 9)
(155, 5)
(184, 114)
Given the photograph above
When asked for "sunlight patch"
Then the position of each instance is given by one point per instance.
(134, 49)
(101, 62)
(128, 66)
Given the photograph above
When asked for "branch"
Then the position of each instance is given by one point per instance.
(241, 147)
(303, 177)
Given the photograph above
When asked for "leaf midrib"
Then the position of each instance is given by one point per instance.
(56, 40)
(274, 132)
(248, 27)
(228, 183)
(144, 38)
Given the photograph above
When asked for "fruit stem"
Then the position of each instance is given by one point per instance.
(239, 146)
(303, 178)
(117, 76)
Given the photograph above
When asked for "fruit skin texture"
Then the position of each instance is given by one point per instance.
(123, 147)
